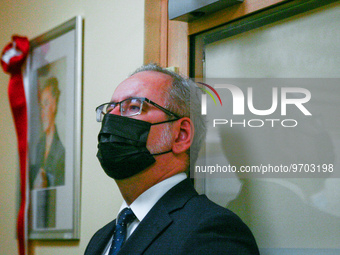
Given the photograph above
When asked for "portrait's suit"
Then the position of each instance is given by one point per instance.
(182, 222)
(54, 165)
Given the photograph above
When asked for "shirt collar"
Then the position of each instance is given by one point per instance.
(143, 204)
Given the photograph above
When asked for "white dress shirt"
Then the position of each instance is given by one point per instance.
(143, 204)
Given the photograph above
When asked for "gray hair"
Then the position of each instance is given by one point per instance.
(183, 98)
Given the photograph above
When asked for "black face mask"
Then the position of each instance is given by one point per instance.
(122, 148)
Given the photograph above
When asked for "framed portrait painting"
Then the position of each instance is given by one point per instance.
(53, 85)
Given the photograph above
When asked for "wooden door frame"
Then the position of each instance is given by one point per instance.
(167, 42)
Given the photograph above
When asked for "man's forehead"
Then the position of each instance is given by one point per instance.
(149, 84)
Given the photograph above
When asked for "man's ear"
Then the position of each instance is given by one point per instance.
(184, 132)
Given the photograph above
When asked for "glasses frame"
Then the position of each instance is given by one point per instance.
(143, 99)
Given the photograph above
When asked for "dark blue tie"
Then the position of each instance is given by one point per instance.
(125, 217)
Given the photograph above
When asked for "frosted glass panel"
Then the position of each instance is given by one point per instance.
(281, 212)
(303, 46)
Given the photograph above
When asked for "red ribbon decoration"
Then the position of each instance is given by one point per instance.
(12, 59)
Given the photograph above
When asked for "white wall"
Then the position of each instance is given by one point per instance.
(113, 47)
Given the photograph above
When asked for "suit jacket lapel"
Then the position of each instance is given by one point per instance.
(101, 239)
(158, 218)
(147, 231)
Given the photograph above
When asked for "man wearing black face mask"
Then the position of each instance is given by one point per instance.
(150, 131)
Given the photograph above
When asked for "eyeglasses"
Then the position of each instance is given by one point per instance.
(128, 107)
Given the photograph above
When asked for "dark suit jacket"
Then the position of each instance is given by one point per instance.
(182, 222)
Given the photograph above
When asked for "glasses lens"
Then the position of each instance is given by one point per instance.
(130, 107)
(102, 110)
(99, 113)
(108, 107)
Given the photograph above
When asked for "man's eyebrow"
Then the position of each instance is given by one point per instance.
(115, 101)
